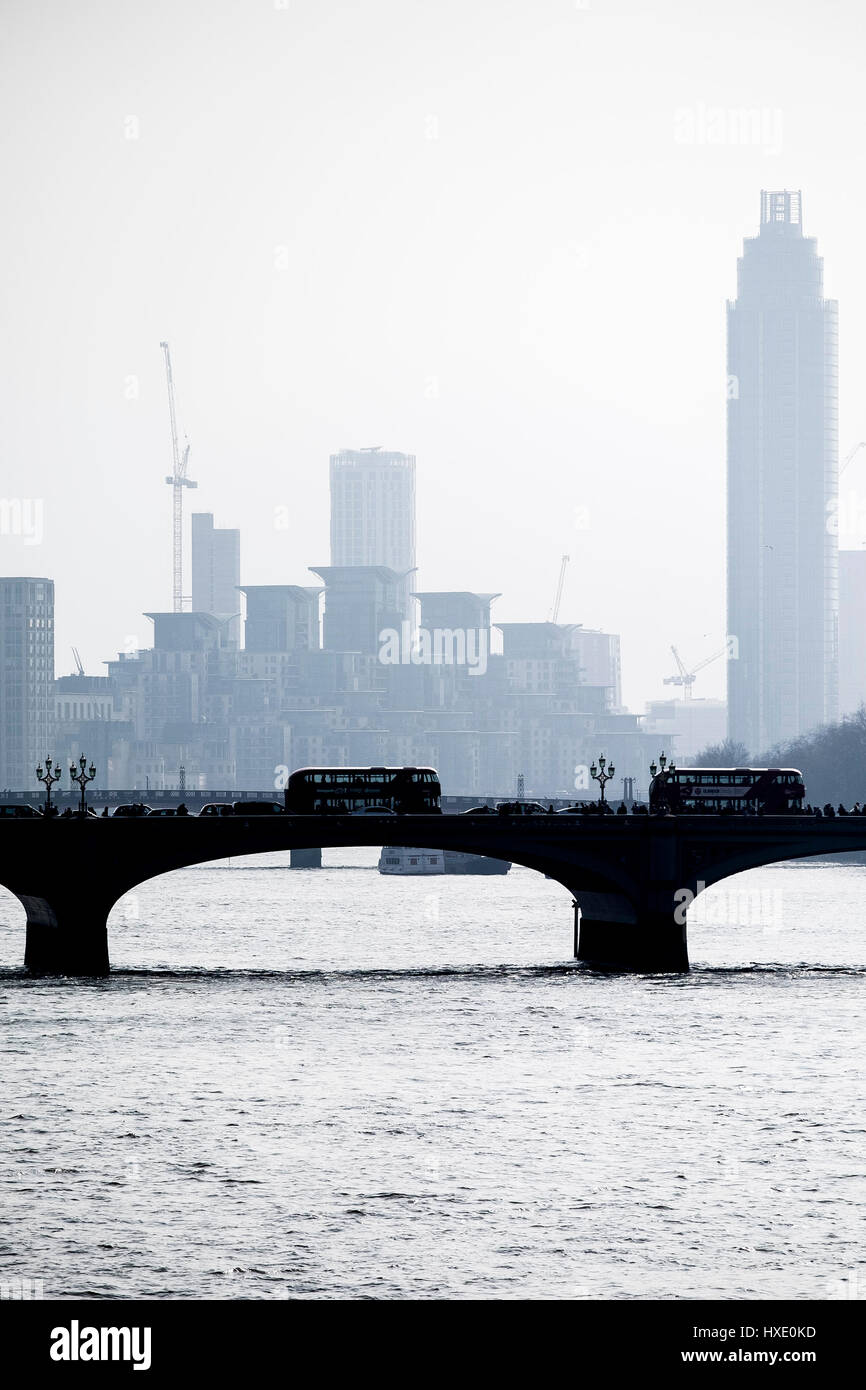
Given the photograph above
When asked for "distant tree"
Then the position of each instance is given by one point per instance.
(728, 753)
(832, 759)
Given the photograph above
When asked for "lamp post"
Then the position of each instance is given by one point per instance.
(82, 778)
(664, 769)
(47, 778)
(663, 763)
(599, 775)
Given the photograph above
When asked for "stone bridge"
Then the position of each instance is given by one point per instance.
(626, 874)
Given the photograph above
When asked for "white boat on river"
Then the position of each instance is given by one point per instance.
(403, 861)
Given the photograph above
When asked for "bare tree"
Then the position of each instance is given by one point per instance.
(729, 753)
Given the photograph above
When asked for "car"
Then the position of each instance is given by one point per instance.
(15, 812)
(217, 808)
(257, 808)
(373, 811)
(520, 808)
(131, 808)
(571, 811)
(479, 811)
(164, 811)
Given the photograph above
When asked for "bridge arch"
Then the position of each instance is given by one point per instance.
(258, 914)
(13, 920)
(624, 873)
(69, 875)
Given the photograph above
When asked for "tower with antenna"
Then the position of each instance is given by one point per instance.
(178, 481)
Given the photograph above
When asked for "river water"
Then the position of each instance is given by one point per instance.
(330, 1084)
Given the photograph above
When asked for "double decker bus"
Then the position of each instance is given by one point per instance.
(351, 791)
(778, 791)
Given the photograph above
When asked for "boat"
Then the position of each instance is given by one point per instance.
(403, 861)
(456, 862)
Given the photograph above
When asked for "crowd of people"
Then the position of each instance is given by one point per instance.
(604, 808)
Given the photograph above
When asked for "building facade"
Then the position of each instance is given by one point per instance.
(216, 573)
(26, 680)
(690, 725)
(782, 485)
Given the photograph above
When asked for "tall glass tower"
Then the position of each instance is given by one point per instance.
(782, 485)
(373, 514)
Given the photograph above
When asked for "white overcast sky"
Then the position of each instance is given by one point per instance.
(480, 231)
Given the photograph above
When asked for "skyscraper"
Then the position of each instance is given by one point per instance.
(782, 485)
(216, 574)
(373, 514)
(26, 679)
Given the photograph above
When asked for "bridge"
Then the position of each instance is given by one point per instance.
(626, 874)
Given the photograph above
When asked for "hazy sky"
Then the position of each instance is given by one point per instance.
(498, 234)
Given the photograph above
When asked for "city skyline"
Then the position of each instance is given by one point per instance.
(381, 520)
(544, 334)
(346, 680)
(432, 671)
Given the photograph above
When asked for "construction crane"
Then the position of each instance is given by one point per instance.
(78, 662)
(849, 456)
(178, 481)
(687, 678)
(554, 614)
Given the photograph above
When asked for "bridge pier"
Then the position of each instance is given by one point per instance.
(611, 932)
(305, 859)
(66, 935)
(653, 944)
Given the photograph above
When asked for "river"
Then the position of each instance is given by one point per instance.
(330, 1084)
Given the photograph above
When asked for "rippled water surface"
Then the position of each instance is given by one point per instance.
(333, 1084)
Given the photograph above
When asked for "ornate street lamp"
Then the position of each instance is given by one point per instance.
(47, 778)
(599, 775)
(663, 764)
(82, 778)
